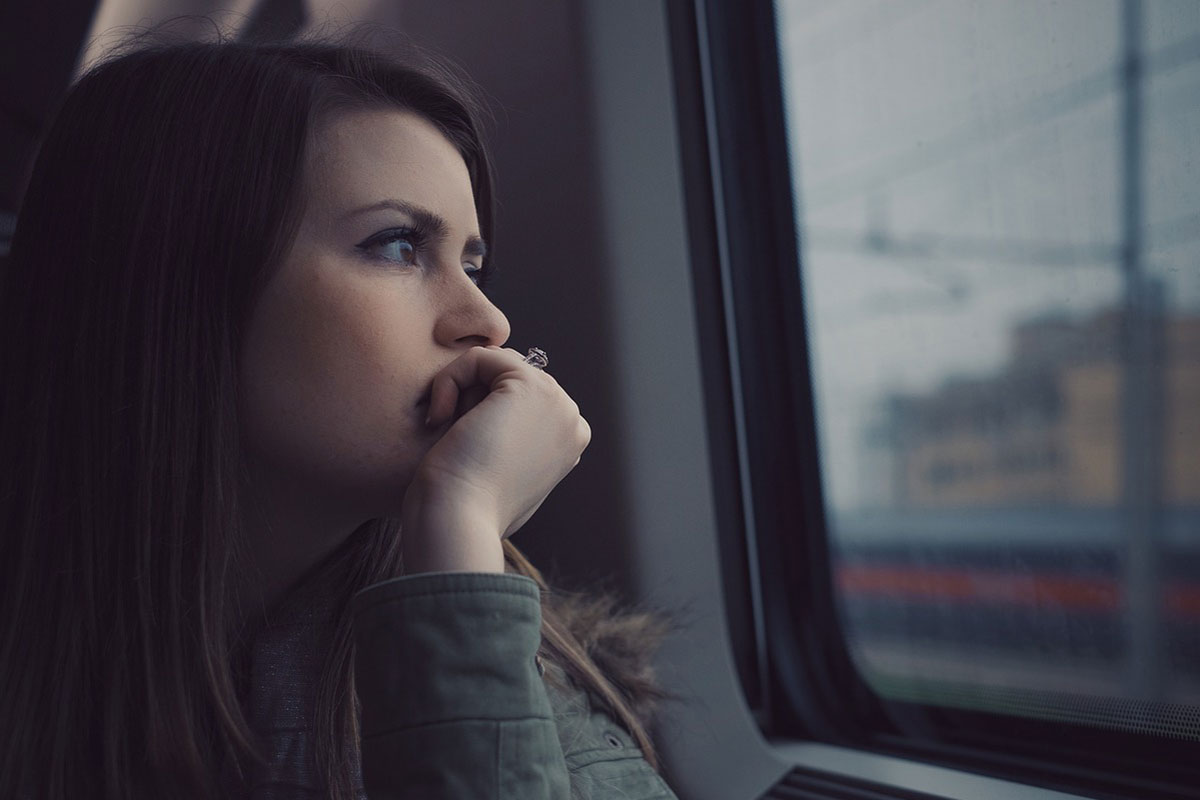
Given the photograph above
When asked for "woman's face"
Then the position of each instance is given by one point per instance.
(377, 295)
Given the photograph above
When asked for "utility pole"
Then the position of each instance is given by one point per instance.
(1142, 408)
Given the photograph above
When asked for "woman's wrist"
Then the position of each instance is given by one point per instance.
(444, 533)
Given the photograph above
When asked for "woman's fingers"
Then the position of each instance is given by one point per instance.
(478, 368)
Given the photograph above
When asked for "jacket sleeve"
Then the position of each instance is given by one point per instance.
(453, 705)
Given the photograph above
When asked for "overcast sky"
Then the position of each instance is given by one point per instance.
(988, 134)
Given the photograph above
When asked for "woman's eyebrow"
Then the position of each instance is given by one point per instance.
(424, 218)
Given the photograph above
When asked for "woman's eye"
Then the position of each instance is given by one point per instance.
(475, 273)
(398, 247)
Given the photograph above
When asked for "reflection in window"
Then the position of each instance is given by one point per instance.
(999, 223)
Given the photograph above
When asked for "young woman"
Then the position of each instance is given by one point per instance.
(261, 447)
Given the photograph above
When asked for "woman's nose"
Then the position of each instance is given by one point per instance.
(470, 318)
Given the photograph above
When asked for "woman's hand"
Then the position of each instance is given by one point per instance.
(520, 434)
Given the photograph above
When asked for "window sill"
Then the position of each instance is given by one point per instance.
(909, 775)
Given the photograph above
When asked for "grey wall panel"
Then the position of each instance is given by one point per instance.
(713, 748)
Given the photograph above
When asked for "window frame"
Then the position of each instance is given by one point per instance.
(793, 662)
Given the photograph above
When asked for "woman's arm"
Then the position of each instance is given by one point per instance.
(453, 705)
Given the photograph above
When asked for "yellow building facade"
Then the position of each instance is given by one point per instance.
(1046, 430)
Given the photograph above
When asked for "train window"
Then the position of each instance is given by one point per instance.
(986, 300)
(1000, 251)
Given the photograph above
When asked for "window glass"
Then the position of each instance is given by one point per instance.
(999, 227)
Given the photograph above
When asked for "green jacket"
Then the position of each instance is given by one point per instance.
(454, 704)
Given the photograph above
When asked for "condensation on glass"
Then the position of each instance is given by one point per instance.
(999, 227)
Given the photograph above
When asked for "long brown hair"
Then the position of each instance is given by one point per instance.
(164, 196)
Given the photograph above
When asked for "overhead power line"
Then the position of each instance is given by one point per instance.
(1040, 109)
(1025, 252)
(964, 248)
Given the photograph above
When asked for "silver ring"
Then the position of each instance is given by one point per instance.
(537, 358)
